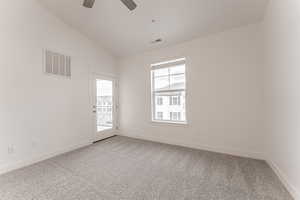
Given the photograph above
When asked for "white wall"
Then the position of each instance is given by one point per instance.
(282, 35)
(39, 114)
(225, 100)
(42, 115)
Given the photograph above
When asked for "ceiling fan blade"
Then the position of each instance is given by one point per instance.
(88, 3)
(130, 4)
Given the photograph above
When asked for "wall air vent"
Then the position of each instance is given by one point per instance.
(57, 64)
(156, 41)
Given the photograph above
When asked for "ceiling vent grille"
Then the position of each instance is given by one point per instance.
(57, 64)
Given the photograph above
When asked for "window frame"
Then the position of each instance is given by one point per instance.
(161, 65)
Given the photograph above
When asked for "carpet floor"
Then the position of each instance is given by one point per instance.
(122, 168)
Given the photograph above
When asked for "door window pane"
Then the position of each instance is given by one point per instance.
(104, 105)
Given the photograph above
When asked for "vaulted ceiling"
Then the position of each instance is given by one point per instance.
(125, 32)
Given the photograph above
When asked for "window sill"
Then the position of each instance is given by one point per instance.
(169, 123)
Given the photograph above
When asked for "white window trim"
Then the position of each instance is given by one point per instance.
(169, 122)
(167, 64)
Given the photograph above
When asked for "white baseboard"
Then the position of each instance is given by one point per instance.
(234, 152)
(27, 162)
(283, 178)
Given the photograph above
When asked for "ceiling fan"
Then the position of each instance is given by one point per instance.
(130, 4)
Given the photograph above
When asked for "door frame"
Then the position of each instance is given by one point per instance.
(111, 132)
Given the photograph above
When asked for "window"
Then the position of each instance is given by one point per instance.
(169, 91)
(104, 95)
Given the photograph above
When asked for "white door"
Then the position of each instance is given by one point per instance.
(104, 107)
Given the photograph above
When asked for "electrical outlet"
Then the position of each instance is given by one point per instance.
(10, 149)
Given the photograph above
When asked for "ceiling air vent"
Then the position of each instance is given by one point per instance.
(57, 64)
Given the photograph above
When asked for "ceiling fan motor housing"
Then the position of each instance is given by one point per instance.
(130, 4)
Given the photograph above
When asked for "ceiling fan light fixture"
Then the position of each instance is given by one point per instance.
(130, 4)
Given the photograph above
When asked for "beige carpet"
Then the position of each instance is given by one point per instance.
(131, 169)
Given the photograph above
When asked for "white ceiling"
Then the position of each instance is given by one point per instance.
(124, 33)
